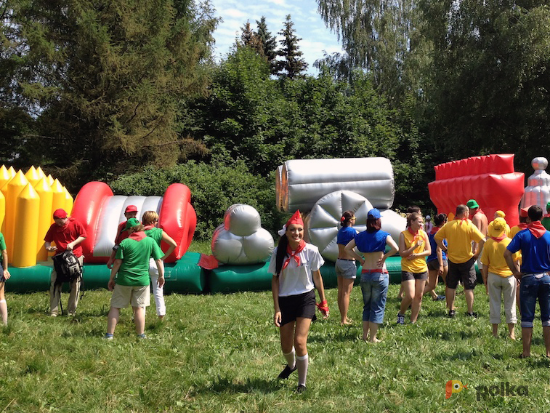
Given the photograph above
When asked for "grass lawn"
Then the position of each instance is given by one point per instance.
(221, 353)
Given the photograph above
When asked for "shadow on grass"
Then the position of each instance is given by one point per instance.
(233, 386)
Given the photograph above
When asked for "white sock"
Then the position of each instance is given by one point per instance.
(302, 362)
(291, 358)
(4, 312)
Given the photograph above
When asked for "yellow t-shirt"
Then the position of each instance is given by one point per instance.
(417, 265)
(459, 234)
(493, 256)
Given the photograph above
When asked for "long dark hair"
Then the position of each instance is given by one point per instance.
(345, 221)
(281, 253)
(373, 225)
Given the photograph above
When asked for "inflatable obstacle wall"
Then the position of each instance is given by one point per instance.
(490, 180)
(27, 202)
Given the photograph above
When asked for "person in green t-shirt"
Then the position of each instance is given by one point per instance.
(130, 277)
(4, 276)
(546, 219)
(150, 220)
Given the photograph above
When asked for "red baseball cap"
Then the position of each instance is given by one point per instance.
(523, 212)
(60, 213)
(131, 208)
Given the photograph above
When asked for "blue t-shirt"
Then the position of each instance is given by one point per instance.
(535, 252)
(345, 235)
(433, 246)
(371, 242)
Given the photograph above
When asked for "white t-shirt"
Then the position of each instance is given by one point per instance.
(296, 279)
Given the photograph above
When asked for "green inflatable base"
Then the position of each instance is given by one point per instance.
(234, 278)
(184, 276)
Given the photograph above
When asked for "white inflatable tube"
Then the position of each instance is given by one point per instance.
(305, 181)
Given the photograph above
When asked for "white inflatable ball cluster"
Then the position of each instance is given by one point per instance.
(241, 239)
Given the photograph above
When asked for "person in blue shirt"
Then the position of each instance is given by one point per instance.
(437, 260)
(345, 265)
(534, 243)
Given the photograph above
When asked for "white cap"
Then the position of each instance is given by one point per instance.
(428, 217)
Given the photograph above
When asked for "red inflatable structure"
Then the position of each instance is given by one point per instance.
(100, 212)
(490, 180)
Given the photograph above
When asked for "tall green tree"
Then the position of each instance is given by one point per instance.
(292, 65)
(381, 36)
(489, 83)
(104, 79)
(269, 43)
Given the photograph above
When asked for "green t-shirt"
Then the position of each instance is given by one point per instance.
(134, 270)
(155, 233)
(546, 223)
(2, 242)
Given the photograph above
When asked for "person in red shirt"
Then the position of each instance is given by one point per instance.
(67, 233)
(131, 211)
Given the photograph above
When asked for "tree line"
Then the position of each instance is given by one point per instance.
(101, 90)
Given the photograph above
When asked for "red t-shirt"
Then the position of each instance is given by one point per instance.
(66, 234)
(121, 233)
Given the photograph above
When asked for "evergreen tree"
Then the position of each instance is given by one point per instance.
(269, 43)
(102, 80)
(292, 65)
(251, 39)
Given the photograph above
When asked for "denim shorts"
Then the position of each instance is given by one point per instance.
(345, 268)
(534, 286)
(374, 287)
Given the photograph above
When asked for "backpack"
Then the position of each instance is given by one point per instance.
(67, 267)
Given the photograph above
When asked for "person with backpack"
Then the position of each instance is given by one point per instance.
(4, 276)
(68, 234)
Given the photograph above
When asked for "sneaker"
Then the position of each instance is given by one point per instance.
(142, 336)
(107, 336)
(473, 314)
(440, 298)
(400, 319)
(452, 313)
(286, 372)
(301, 388)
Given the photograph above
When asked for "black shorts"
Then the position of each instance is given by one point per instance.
(294, 306)
(465, 272)
(407, 276)
(434, 264)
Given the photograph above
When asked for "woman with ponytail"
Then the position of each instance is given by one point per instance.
(295, 266)
(345, 265)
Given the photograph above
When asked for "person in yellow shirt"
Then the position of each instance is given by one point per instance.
(499, 214)
(414, 247)
(497, 277)
(460, 233)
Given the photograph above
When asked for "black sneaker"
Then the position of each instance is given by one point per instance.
(474, 315)
(452, 313)
(286, 372)
(301, 388)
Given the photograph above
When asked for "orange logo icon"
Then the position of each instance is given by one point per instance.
(453, 386)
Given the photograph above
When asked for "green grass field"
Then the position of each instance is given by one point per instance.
(221, 353)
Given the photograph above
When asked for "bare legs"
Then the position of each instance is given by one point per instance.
(373, 328)
(345, 286)
(294, 334)
(413, 291)
(139, 319)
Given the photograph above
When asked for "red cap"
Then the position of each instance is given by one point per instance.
(295, 219)
(523, 212)
(131, 208)
(60, 213)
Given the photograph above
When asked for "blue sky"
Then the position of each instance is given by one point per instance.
(308, 24)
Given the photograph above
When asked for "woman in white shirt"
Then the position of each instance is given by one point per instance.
(295, 266)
